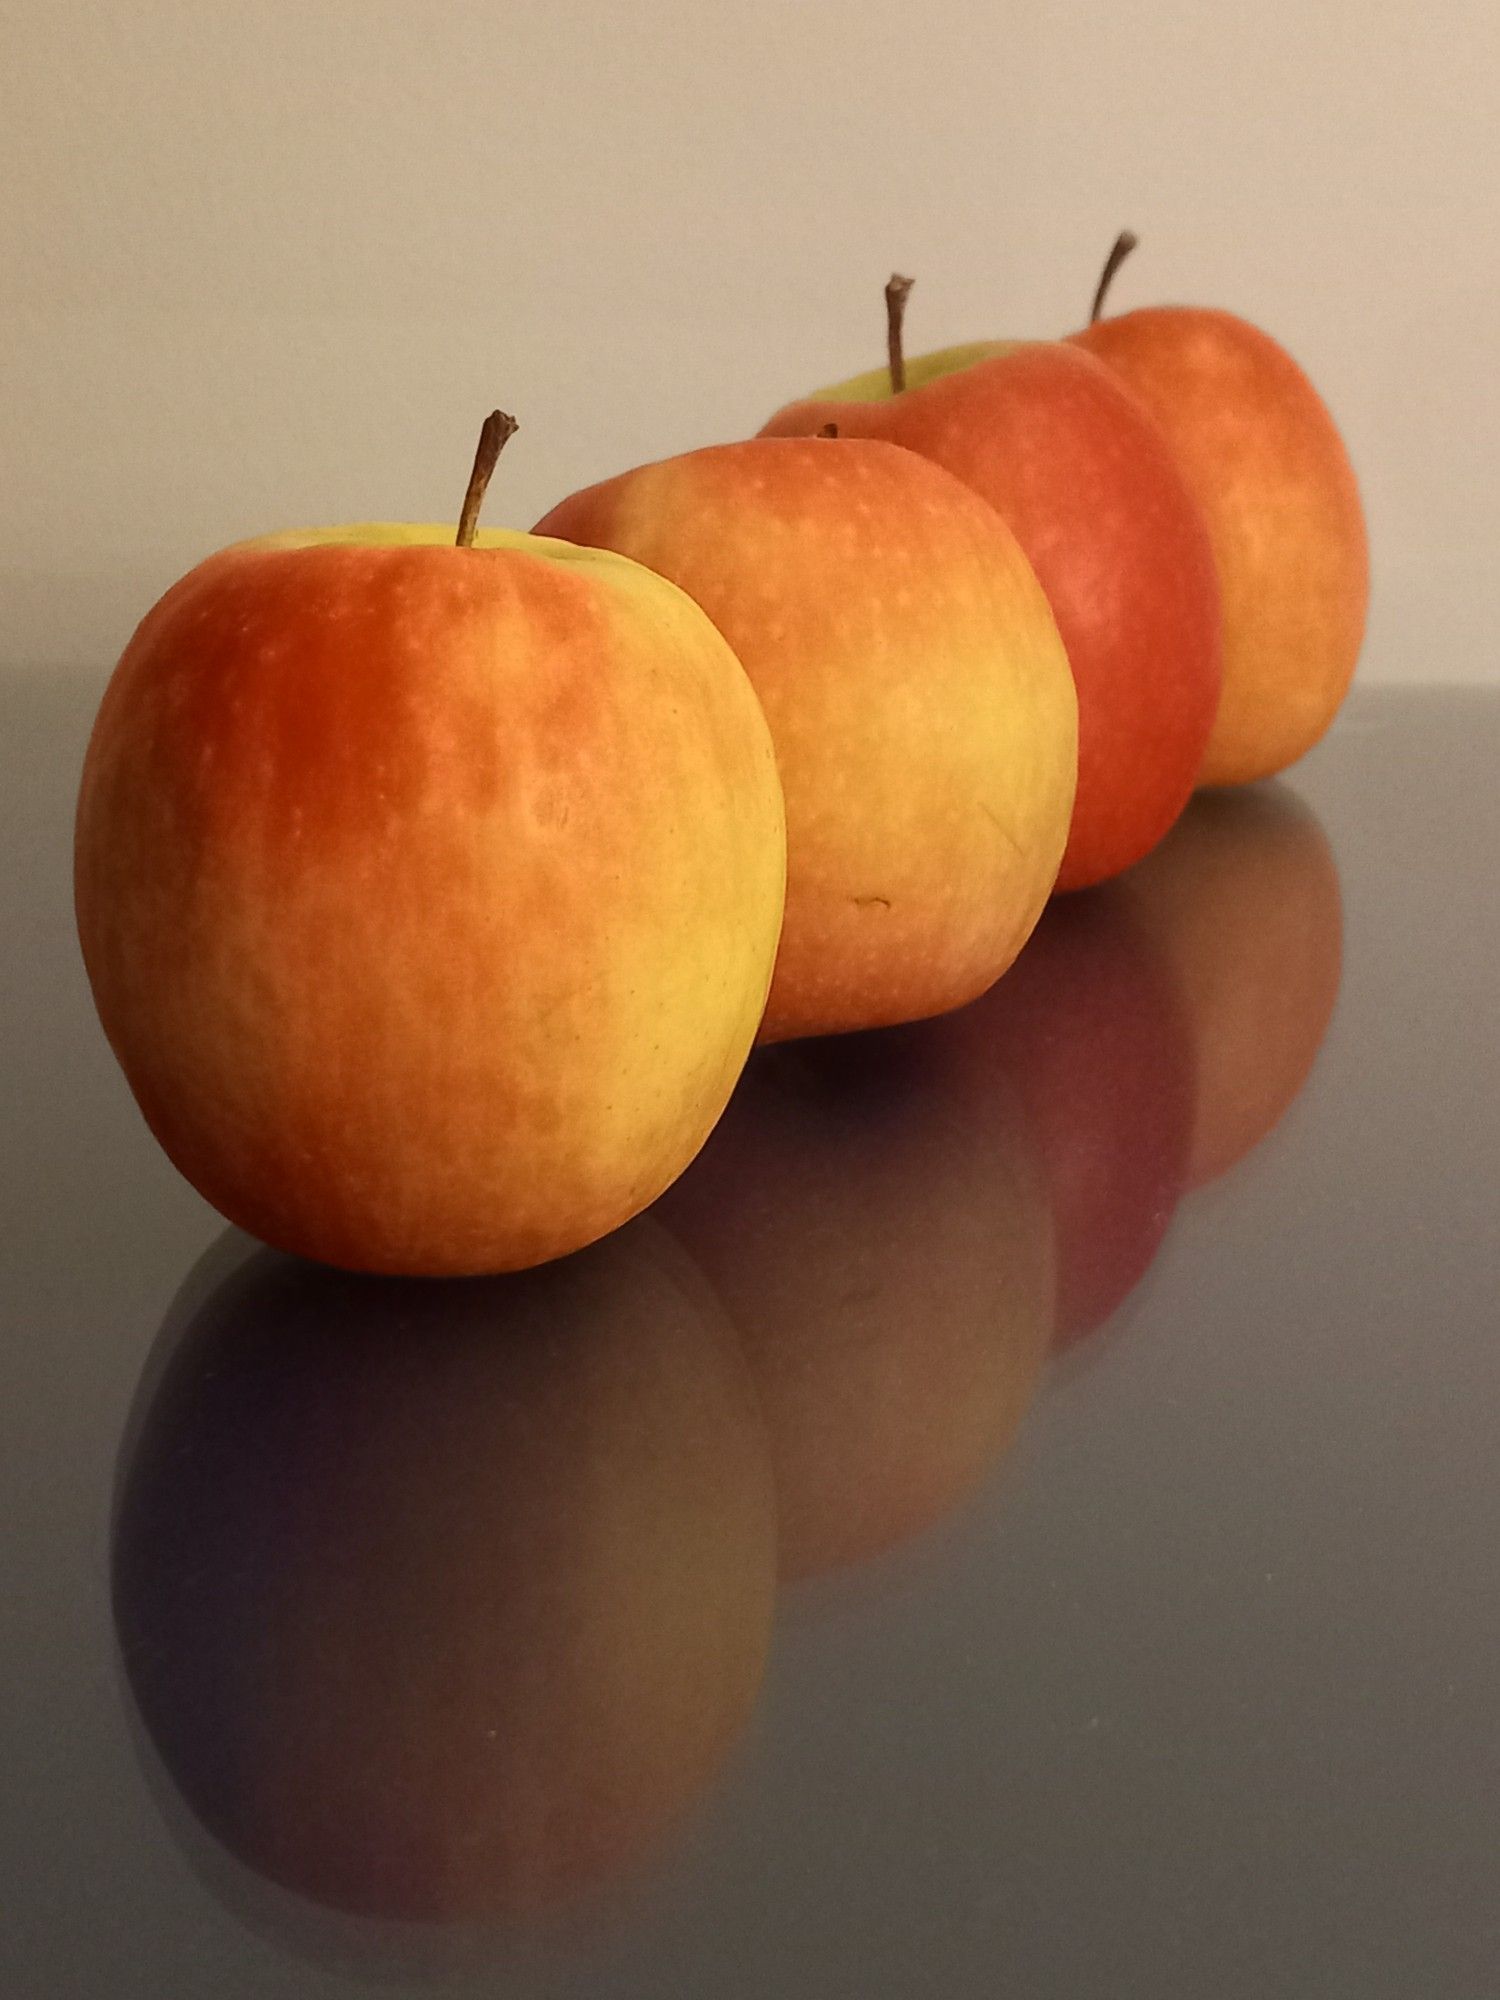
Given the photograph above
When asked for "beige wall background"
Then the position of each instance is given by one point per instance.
(263, 264)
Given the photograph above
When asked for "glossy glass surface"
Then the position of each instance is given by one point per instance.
(1020, 1517)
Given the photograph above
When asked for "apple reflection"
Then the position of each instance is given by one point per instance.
(445, 1601)
(1243, 901)
(442, 1603)
(1157, 1029)
(1090, 1030)
(880, 1233)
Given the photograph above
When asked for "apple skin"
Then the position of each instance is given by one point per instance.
(879, 1232)
(429, 896)
(1269, 470)
(445, 1602)
(1091, 1032)
(918, 697)
(1089, 487)
(1243, 899)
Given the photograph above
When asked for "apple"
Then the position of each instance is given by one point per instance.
(1243, 899)
(880, 1234)
(1266, 463)
(445, 1602)
(1089, 486)
(917, 693)
(1091, 1032)
(429, 892)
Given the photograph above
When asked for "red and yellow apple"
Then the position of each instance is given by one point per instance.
(429, 893)
(917, 693)
(1268, 468)
(445, 1602)
(1086, 481)
(1243, 900)
(880, 1234)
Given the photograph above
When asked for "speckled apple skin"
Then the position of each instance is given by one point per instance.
(918, 696)
(429, 896)
(1266, 464)
(1084, 478)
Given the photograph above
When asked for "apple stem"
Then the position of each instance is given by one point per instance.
(895, 312)
(497, 431)
(1120, 249)
(829, 431)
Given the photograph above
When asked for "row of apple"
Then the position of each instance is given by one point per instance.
(820, 1344)
(434, 889)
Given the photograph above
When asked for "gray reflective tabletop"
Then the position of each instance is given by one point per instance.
(1019, 1518)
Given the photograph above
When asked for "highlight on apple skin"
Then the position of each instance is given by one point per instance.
(1266, 463)
(880, 1233)
(918, 697)
(444, 1603)
(429, 894)
(1085, 479)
